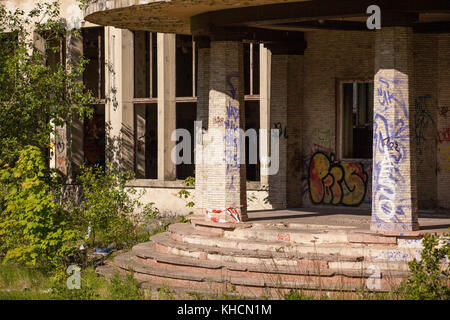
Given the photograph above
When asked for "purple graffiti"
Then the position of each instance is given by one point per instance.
(388, 98)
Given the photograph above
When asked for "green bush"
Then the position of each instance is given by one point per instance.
(33, 227)
(429, 278)
(111, 208)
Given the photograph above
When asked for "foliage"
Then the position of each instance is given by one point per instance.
(185, 194)
(125, 289)
(429, 278)
(111, 208)
(33, 227)
(89, 287)
(296, 295)
(36, 95)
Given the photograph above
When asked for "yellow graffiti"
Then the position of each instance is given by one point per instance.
(444, 152)
(336, 183)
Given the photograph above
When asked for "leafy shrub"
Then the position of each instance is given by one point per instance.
(429, 278)
(33, 227)
(111, 208)
(186, 194)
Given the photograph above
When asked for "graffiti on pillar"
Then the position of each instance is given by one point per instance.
(444, 157)
(60, 147)
(444, 135)
(390, 142)
(218, 120)
(388, 98)
(336, 183)
(422, 120)
(231, 137)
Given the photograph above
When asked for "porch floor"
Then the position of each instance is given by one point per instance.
(429, 221)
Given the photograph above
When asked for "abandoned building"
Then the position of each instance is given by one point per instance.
(362, 116)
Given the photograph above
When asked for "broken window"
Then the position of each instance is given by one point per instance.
(357, 120)
(94, 80)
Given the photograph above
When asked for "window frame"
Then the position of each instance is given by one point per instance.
(339, 137)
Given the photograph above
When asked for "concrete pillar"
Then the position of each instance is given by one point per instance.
(166, 105)
(294, 137)
(119, 78)
(394, 204)
(224, 170)
(278, 119)
(443, 123)
(202, 115)
(281, 96)
(265, 58)
(66, 154)
(74, 50)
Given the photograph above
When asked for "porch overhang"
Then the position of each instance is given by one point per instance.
(204, 17)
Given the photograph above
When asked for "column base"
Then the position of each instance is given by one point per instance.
(401, 229)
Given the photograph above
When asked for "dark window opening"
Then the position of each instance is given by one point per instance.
(94, 137)
(94, 141)
(251, 69)
(145, 65)
(186, 115)
(186, 107)
(186, 66)
(358, 120)
(93, 50)
(252, 122)
(146, 137)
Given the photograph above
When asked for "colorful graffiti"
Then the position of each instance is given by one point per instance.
(61, 161)
(336, 183)
(444, 155)
(444, 135)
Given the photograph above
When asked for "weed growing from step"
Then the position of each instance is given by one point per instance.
(429, 278)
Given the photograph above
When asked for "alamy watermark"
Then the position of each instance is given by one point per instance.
(374, 21)
(74, 281)
(227, 146)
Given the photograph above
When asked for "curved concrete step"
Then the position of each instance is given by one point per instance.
(382, 253)
(216, 277)
(166, 244)
(148, 254)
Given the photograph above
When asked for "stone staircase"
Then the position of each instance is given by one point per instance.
(255, 260)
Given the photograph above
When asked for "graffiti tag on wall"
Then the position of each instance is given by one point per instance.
(444, 135)
(232, 137)
(422, 120)
(336, 183)
(444, 155)
(61, 150)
